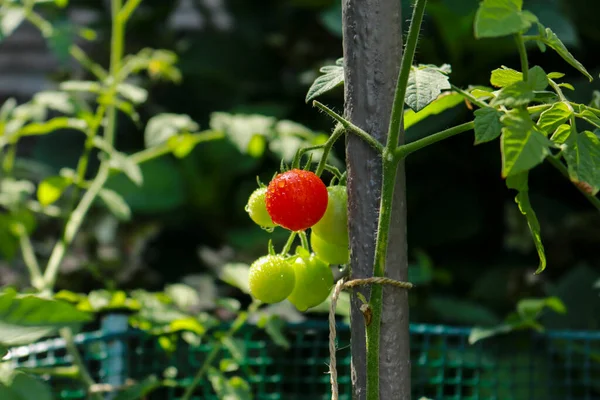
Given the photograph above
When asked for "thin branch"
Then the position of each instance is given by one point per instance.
(405, 150)
(350, 126)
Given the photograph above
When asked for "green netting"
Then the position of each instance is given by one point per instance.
(556, 365)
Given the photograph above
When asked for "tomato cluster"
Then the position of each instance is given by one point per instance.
(298, 200)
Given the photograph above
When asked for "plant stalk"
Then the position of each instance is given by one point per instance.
(405, 67)
(523, 56)
(390, 168)
(406, 149)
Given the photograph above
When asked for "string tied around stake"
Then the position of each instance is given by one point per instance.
(341, 285)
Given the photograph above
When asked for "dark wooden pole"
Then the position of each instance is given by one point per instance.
(372, 51)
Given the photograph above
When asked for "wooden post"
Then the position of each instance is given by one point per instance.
(372, 51)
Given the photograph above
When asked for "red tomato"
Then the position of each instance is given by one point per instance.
(296, 199)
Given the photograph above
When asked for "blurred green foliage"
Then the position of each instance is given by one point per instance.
(246, 72)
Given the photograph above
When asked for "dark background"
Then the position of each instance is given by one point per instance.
(472, 254)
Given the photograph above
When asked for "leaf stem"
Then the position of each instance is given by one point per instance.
(406, 149)
(523, 56)
(405, 67)
(350, 126)
(337, 133)
(31, 262)
(157, 151)
(468, 96)
(556, 163)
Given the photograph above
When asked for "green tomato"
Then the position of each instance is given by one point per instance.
(314, 281)
(271, 279)
(329, 252)
(333, 226)
(257, 208)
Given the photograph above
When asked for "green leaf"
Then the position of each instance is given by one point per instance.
(532, 308)
(163, 126)
(505, 76)
(140, 389)
(487, 124)
(496, 18)
(557, 45)
(583, 159)
(332, 78)
(53, 100)
(589, 116)
(234, 388)
(553, 117)
(425, 84)
(81, 86)
(116, 204)
(478, 333)
(25, 319)
(523, 145)
(130, 168)
(562, 134)
(240, 129)
(514, 95)
(10, 19)
(236, 275)
(50, 189)
(21, 386)
(135, 94)
(274, 326)
(235, 347)
(441, 104)
(537, 78)
(522, 199)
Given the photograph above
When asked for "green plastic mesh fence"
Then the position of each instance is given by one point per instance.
(521, 366)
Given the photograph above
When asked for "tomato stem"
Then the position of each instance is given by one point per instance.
(390, 162)
(406, 149)
(304, 240)
(405, 67)
(288, 244)
(350, 126)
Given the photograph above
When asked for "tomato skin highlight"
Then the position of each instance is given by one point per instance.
(257, 208)
(333, 226)
(296, 199)
(271, 279)
(314, 281)
(329, 252)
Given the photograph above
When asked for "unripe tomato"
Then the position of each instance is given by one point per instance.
(314, 281)
(333, 227)
(329, 252)
(296, 199)
(271, 279)
(257, 208)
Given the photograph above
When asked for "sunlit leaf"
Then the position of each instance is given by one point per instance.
(425, 84)
(551, 40)
(553, 117)
(496, 18)
(50, 189)
(27, 318)
(520, 182)
(332, 78)
(163, 126)
(583, 159)
(487, 124)
(441, 104)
